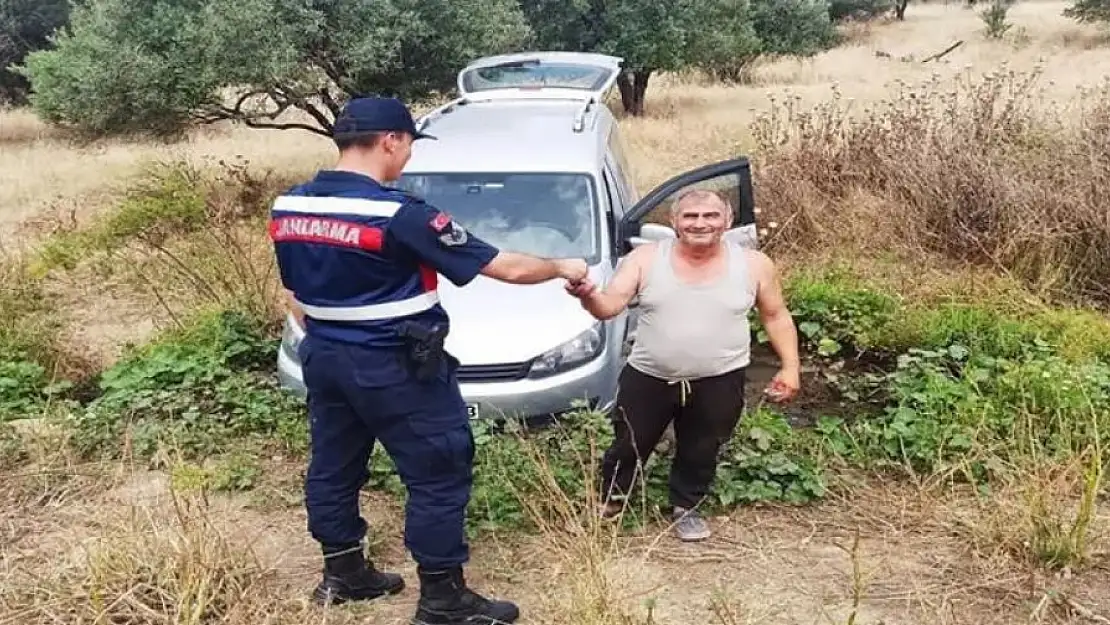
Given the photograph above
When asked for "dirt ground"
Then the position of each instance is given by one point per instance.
(79, 543)
(913, 564)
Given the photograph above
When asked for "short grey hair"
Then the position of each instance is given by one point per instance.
(700, 196)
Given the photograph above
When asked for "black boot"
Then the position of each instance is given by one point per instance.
(348, 576)
(445, 600)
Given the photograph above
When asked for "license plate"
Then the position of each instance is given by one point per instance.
(472, 411)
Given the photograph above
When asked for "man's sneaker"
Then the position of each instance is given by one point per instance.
(610, 510)
(689, 526)
(348, 576)
(445, 600)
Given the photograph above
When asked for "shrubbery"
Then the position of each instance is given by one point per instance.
(982, 382)
(976, 172)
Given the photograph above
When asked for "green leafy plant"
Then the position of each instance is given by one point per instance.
(764, 462)
(196, 389)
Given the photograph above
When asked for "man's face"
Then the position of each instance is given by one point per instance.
(398, 149)
(701, 223)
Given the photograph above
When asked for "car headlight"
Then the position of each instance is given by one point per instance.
(580, 349)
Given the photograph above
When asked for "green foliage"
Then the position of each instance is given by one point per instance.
(238, 471)
(25, 26)
(166, 200)
(766, 461)
(719, 37)
(948, 410)
(1089, 11)
(520, 474)
(801, 27)
(836, 313)
(25, 388)
(28, 322)
(994, 17)
(30, 350)
(963, 387)
(840, 315)
(195, 390)
(859, 9)
(157, 65)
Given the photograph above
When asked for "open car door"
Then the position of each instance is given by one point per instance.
(649, 219)
(570, 75)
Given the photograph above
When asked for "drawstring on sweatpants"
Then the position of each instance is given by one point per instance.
(684, 389)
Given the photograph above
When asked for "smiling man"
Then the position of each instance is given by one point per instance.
(692, 350)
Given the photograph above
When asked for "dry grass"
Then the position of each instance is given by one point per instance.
(41, 172)
(98, 545)
(132, 547)
(974, 170)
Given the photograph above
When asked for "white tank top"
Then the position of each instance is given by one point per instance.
(689, 331)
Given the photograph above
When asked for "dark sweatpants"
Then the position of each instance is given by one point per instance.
(646, 405)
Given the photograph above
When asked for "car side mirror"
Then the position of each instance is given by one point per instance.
(651, 233)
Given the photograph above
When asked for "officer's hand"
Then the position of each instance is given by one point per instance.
(573, 269)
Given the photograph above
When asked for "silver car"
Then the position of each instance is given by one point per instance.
(530, 159)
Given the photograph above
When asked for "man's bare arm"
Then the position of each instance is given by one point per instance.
(611, 301)
(773, 312)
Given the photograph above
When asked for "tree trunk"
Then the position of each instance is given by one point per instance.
(633, 86)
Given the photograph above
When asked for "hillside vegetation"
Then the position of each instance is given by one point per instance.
(943, 240)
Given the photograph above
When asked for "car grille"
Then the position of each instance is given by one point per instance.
(493, 373)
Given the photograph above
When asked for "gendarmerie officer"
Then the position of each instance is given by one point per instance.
(360, 261)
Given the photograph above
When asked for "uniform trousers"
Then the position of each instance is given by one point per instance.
(359, 396)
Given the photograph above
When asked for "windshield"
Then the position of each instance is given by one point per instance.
(546, 215)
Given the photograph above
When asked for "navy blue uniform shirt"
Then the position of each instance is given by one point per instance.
(360, 256)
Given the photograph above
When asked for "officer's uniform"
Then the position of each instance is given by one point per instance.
(362, 260)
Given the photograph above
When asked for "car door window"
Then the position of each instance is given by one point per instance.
(611, 215)
(731, 179)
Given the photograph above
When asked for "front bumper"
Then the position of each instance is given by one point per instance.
(591, 386)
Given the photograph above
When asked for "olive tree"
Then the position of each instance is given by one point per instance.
(25, 26)
(720, 37)
(157, 66)
(1089, 11)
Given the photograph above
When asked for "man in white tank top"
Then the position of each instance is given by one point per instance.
(691, 353)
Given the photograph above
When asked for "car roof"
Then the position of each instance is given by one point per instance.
(507, 135)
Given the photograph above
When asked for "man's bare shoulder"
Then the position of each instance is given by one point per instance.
(759, 263)
(639, 255)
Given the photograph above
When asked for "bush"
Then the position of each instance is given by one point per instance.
(522, 476)
(994, 19)
(196, 390)
(961, 387)
(799, 27)
(859, 9)
(35, 363)
(968, 172)
(186, 236)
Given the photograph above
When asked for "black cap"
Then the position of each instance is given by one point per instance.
(375, 114)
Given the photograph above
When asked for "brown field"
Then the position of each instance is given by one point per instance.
(90, 544)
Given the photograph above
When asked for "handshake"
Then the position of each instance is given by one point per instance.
(574, 270)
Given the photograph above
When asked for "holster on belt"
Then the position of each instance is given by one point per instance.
(424, 348)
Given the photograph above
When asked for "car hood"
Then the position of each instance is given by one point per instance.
(494, 322)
